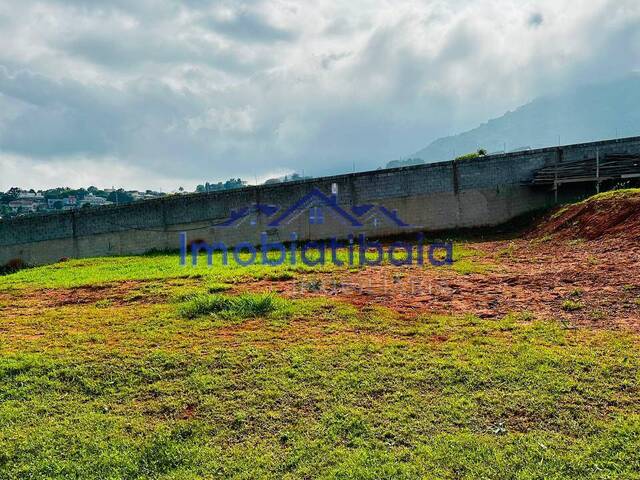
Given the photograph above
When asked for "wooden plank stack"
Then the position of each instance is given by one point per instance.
(598, 169)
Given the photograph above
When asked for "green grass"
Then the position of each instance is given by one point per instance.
(576, 293)
(200, 383)
(488, 399)
(468, 260)
(624, 193)
(281, 276)
(572, 305)
(104, 270)
(98, 271)
(219, 287)
(241, 306)
(615, 194)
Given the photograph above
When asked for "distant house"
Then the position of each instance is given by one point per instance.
(148, 195)
(36, 197)
(53, 202)
(28, 202)
(24, 205)
(68, 203)
(93, 201)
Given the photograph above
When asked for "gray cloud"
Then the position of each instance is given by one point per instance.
(202, 90)
(136, 48)
(247, 26)
(65, 117)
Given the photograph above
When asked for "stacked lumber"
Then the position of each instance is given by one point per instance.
(607, 167)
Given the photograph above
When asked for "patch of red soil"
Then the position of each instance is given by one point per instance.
(123, 293)
(590, 283)
(188, 412)
(611, 216)
(601, 278)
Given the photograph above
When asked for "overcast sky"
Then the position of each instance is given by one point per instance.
(161, 94)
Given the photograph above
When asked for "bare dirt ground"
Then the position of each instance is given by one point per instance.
(121, 293)
(580, 283)
(600, 279)
(580, 266)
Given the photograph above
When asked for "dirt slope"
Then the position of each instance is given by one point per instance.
(613, 214)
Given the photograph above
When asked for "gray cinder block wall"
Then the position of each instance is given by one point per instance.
(464, 194)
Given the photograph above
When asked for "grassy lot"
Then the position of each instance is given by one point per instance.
(98, 271)
(186, 380)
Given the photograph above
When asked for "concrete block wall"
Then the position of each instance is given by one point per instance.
(440, 196)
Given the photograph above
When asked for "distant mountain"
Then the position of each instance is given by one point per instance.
(407, 162)
(586, 114)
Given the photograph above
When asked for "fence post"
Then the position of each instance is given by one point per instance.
(598, 170)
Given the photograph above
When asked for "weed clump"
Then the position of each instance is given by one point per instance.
(571, 306)
(241, 306)
(280, 276)
(576, 293)
(219, 287)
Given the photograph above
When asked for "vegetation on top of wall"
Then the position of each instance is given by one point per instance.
(469, 156)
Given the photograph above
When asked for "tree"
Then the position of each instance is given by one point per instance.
(233, 183)
(10, 195)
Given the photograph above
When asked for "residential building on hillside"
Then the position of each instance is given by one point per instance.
(93, 201)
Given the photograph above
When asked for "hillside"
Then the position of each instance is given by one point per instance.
(589, 113)
(608, 215)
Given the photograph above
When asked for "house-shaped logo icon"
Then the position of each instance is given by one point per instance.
(378, 216)
(249, 215)
(317, 208)
(315, 203)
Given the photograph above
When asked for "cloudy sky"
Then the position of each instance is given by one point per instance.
(161, 94)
